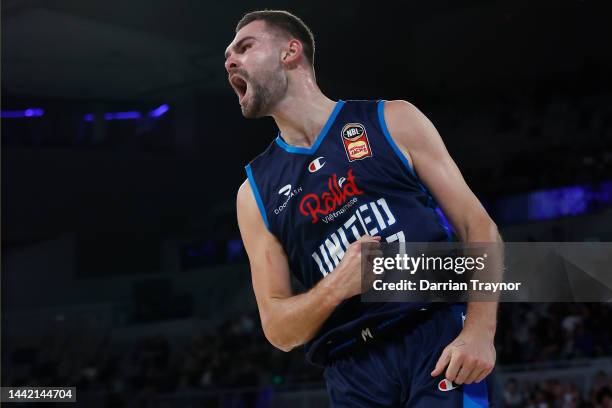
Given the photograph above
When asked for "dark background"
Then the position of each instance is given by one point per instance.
(122, 267)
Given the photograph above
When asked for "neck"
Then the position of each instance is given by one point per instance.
(303, 112)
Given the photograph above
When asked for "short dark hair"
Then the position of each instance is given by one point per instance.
(287, 22)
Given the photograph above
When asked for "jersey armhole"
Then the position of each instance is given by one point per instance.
(258, 199)
(431, 201)
(394, 146)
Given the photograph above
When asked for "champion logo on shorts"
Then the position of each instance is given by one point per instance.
(445, 385)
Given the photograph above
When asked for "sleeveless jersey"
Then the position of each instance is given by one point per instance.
(352, 181)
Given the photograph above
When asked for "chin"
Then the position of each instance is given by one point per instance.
(247, 109)
(249, 114)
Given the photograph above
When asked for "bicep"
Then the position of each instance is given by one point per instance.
(414, 133)
(269, 266)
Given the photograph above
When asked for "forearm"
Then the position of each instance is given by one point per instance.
(482, 315)
(291, 322)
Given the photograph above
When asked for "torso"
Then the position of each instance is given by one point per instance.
(353, 181)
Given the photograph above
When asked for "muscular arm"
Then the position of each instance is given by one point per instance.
(290, 320)
(418, 139)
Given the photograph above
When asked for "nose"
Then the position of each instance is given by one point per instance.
(231, 63)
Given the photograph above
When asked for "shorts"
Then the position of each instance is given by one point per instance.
(395, 372)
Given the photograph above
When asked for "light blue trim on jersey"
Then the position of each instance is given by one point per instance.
(431, 202)
(260, 203)
(475, 395)
(319, 139)
(396, 149)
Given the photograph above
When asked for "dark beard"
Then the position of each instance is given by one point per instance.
(260, 99)
(263, 98)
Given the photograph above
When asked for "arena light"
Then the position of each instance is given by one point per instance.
(159, 111)
(122, 116)
(26, 113)
(554, 203)
(130, 115)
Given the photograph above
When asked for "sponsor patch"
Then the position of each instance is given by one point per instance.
(338, 192)
(288, 192)
(355, 140)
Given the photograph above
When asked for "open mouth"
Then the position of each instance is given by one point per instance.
(240, 86)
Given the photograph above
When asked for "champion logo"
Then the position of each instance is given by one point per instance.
(445, 385)
(316, 164)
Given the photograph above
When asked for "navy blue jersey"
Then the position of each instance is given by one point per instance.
(352, 181)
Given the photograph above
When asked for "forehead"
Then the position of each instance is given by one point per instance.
(255, 29)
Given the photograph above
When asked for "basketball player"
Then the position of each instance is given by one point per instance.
(340, 174)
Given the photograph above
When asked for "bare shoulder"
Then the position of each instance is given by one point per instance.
(246, 206)
(245, 198)
(244, 190)
(408, 126)
(250, 220)
(402, 115)
(399, 106)
(257, 238)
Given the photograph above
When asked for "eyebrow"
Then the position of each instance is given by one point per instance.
(238, 44)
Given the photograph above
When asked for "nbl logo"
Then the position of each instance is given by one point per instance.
(355, 140)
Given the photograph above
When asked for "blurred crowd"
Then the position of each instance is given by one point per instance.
(537, 332)
(516, 141)
(232, 355)
(236, 355)
(558, 394)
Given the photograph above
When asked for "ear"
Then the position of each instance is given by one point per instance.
(292, 53)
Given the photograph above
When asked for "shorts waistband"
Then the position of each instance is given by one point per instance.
(368, 334)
